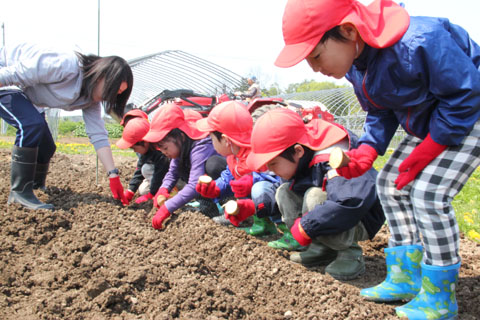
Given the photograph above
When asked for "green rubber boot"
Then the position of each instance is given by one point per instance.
(261, 227)
(316, 255)
(348, 265)
(287, 241)
(436, 299)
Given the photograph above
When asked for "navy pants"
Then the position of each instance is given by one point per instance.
(32, 129)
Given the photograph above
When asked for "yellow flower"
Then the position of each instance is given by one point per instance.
(468, 220)
(474, 235)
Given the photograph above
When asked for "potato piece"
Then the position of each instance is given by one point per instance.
(205, 179)
(231, 207)
(338, 158)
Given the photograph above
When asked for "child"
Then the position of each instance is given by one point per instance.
(230, 125)
(323, 210)
(152, 164)
(191, 153)
(421, 73)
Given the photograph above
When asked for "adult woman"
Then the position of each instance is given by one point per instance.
(65, 79)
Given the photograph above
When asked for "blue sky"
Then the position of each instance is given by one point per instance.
(243, 36)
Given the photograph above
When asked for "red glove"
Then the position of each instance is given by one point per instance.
(420, 157)
(361, 160)
(144, 198)
(159, 217)
(117, 189)
(299, 234)
(160, 197)
(246, 208)
(128, 195)
(241, 187)
(208, 190)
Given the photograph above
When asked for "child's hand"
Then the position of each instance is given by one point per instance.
(243, 186)
(144, 198)
(160, 197)
(208, 190)
(117, 190)
(159, 217)
(299, 234)
(420, 157)
(246, 208)
(128, 195)
(361, 160)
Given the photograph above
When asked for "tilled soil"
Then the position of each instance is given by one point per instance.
(91, 258)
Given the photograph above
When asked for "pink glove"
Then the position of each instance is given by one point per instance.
(299, 234)
(159, 217)
(144, 198)
(160, 197)
(241, 187)
(361, 160)
(117, 189)
(420, 157)
(246, 208)
(128, 195)
(208, 190)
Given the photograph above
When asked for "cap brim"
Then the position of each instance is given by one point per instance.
(293, 54)
(155, 136)
(204, 126)
(122, 144)
(257, 160)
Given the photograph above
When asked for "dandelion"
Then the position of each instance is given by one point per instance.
(468, 219)
(473, 234)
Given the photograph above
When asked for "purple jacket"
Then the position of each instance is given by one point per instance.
(201, 150)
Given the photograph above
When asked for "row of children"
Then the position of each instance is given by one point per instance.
(418, 72)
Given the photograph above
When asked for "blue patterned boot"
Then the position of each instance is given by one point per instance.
(403, 280)
(436, 299)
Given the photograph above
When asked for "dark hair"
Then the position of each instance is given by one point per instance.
(114, 70)
(290, 152)
(184, 143)
(333, 33)
(217, 135)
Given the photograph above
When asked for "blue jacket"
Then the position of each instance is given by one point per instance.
(223, 182)
(428, 82)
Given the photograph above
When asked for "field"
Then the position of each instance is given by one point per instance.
(94, 259)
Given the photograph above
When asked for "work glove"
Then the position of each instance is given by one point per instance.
(128, 195)
(420, 157)
(243, 186)
(208, 190)
(117, 190)
(160, 197)
(159, 217)
(361, 160)
(299, 234)
(246, 208)
(144, 198)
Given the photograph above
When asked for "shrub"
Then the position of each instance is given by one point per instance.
(66, 127)
(80, 130)
(115, 130)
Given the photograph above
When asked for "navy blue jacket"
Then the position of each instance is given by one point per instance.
(160, 164)
(348, 202)
(428, 82)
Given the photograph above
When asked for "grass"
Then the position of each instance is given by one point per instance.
(465, 203)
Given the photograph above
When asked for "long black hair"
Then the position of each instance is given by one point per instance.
(184, 143)
(114, 70)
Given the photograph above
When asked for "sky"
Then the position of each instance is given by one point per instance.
(242, 36)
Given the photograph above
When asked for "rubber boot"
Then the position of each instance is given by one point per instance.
(436, 299)
(24, 161)
(261, 227)
(287, 241)
(41, 172)
(316, 254)
(348, 265)
(403, 279)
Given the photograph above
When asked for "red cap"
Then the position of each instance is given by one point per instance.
(380, 24)
(278, 129)
(230, 118)
(134, 131)
(132, 114)
(171, 116)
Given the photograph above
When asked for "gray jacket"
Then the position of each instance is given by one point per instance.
(52, 78)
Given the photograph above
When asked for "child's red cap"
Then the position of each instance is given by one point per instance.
(230, 118)
(278, 129)
(133, 132)
(380, 24)
(171, 116)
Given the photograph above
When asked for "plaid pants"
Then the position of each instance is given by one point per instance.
(424, 206)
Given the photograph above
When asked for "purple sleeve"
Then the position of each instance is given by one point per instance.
(171, 178)
(198, 156)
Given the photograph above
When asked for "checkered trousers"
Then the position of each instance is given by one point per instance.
(424, 206)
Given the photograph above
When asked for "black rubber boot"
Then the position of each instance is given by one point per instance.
(24, 161)
(41, 172)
